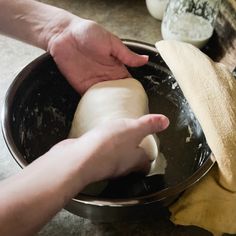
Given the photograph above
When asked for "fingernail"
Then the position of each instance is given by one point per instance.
(145, 56)
(164, 122)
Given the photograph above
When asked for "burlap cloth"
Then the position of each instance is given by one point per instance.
(211, 92)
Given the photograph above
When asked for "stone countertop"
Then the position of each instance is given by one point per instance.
(127, 19)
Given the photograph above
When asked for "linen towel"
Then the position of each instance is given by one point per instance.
(210, 90)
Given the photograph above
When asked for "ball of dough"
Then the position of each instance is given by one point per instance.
(111, 100)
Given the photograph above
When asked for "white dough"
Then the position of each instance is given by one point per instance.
(111, 100)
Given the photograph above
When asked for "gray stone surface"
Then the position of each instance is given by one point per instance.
(127, 19)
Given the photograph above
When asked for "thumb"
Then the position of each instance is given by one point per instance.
(125, 55)
(150, 124)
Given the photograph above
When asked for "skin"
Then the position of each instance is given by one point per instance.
(85, 53)
(31, 198)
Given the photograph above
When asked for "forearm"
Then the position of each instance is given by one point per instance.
(31, 21)
(31, 198)
(28, 200)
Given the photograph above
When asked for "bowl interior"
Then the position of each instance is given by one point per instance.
(43, 105)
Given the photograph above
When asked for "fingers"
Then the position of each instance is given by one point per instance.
(150, 124)
(146, 125)
(138, 162)
(143, 164)
(126, 56)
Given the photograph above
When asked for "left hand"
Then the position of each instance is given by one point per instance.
(86, 53)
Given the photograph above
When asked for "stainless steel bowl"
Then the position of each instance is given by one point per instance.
(39, 108)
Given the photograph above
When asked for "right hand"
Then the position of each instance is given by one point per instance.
(112, 149)
(86, 53)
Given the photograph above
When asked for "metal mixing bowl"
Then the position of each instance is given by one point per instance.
(38, 111)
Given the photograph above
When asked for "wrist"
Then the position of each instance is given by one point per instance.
(54, 27)
(33, 22)
(71, 163)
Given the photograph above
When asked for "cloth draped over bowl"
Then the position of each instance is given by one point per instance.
(210, 90)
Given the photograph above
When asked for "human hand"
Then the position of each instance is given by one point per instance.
(86, 53)
(112, 149)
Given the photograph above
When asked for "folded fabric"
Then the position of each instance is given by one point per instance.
(210, 90)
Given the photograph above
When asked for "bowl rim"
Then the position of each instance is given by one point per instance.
(7, 103)
(82, 198)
